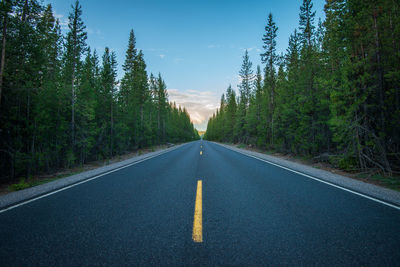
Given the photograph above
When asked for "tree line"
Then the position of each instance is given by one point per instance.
(62, 105)
(334, 95)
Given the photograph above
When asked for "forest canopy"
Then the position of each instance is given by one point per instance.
(61, 103)
(333, 95)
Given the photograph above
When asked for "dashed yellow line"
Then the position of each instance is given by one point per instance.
(198, 216)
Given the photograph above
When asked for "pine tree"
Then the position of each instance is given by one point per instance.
(247, 77)
(106, 103)
(162, 103)
(288, 107)
(127, 98)
(221, 119)
(75, 48)
(245, 91)
(49, 118)
(56, 108)
(6, 7)
(307, 23)
(307, 82)
(335, 92)
(21, 77)
(86, 108)
(230, 115)
(253, 116)
(131, 52)
(141, 95)
(270, 58)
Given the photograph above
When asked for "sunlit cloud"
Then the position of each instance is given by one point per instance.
(199, 104)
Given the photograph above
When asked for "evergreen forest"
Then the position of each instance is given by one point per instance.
(61, 103)
(332, 96)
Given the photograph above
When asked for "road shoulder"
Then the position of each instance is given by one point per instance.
(370, 190)
(17, 197)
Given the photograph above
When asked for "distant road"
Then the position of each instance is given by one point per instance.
(248, 212)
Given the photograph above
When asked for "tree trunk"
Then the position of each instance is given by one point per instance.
(3, 52)
(380, 75)
(395, 84)
(25, 11)
(159, 132)
(32, 161)
(111, 128)
(73, 108)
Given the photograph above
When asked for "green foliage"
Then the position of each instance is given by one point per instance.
(61, 106)
(345, 162)
(335, 91)
(20, 186)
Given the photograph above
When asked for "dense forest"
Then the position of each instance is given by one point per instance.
(333, 96)
(61, 104)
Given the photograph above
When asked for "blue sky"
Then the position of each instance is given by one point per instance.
(197, 46)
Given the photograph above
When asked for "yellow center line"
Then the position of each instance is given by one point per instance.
(198, 216)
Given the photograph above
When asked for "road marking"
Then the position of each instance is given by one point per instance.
(84, 181)
(201, 152)
(198, 216)
(318, 179)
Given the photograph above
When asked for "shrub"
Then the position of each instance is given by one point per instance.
(19, 186)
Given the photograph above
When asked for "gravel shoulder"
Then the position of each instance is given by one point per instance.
(371, 190)
(16, 197)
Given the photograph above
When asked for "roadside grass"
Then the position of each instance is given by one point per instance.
(19, 186)
(34, 181)
(45, 178)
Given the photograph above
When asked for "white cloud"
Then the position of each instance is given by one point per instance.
(199, 104)
(249, 49)
(162, 56)
(62, 20)
(214, 46)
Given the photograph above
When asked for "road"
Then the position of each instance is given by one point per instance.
(252, 213)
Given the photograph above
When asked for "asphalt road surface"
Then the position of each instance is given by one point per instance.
(251, 213)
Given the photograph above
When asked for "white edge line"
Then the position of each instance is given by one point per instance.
(81, 182)
(318, 179)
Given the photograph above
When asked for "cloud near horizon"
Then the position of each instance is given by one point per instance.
(199, 104)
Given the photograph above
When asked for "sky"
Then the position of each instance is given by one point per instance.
(196, 45)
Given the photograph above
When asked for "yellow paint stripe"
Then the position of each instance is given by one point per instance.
(198, 216)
